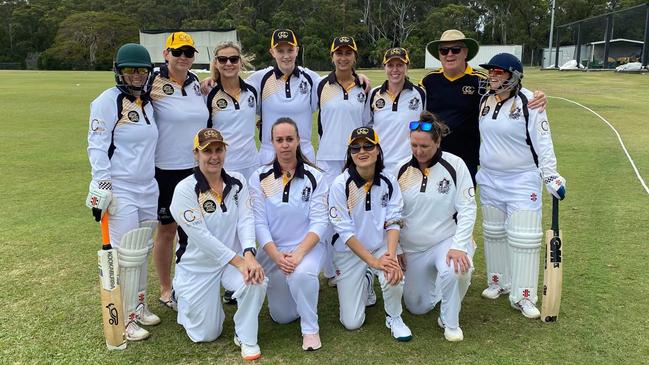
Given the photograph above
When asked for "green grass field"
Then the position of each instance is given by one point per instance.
(50, 298)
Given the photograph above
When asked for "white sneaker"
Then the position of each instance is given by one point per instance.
(146, 318)
(371, 295)
(452, 335)
(248, 352)
(528, 308)
(493, 292)
(331, 282)
(135, 332)
(399, 330)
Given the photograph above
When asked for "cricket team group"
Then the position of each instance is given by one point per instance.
(389, 195)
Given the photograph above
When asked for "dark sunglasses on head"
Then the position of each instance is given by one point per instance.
(134, 70)
(224, 59)
(423, 126)
(455, 50)
(356, 147)
(188, 52)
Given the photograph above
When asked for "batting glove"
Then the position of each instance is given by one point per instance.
(99, 199)
(556, 185)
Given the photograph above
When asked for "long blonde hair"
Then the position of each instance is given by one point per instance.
(244, 59)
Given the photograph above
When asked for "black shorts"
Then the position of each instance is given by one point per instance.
(167, 181)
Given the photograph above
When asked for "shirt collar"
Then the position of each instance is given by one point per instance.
(331, 78)
(299, 169)
(278, 73)
(164, 72)
(436, 157)
(242, 85)
(467, 71)
(407, 85)
(358, 179)
(203, 186)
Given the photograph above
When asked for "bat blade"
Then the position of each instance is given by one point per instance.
(111, 295)
(553, 275)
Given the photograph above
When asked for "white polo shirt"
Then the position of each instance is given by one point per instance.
(217, 228)
(340, 112)
(515, 138)
(282, 96)
(438, 203)
(366, 214)
(236, 119)
(390, 117)
(122, 135)
(287, 209)
(180, 112)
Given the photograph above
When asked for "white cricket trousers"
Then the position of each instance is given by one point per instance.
(427, 277)
(353, 286)
(135, 203)
(199, 304)
(295, 295)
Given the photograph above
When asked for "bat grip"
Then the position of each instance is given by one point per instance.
(555, 215)
(105, 235)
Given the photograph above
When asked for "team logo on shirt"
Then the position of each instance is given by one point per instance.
(97, 126)
(443, 186)
(544, 128)
(251, 101)
(303, 87)
(306, 193)
(469, 193)
(380, 103)
(333, 214)
(167, 89)
(190, 216)
(468, 90)
(384, 200)
(515, 114)
(197, 89)
(209, 206)
(533, 197)
(485, 110)
(413, 104)
(361, 97)
(222, 103)
(133, 116)
(236, 199)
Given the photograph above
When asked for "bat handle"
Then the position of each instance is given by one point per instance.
(555, 215)
(105, 233)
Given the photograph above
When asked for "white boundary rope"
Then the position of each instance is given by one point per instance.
(637, 173)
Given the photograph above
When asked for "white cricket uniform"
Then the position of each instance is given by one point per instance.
(282, 96)
(439, 213)
(516, 152)
(236, 119)
(367, 215)
(217, 229)
(285, 212)
(390, 117)
(122, 137)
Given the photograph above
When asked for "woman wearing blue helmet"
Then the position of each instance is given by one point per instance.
(516, 157)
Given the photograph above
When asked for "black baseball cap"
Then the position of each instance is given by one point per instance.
(343, 41)
(396, 52)
(367, 133)
(283, 36)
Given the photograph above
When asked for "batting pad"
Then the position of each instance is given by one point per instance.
(144, 271)
(495, 247)
(524, 234)
(132, 254)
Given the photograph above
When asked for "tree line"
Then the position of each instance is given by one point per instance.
(84, 34)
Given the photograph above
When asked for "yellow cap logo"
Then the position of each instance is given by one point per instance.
(363, 131)
(345, 39)
(395, 51)
(211, 133)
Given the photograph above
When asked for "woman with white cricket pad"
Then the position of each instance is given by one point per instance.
(214, 208)
(439, 212)
(516, 158)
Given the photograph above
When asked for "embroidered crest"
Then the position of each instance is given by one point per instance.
(380, 103)
(236, 199)
(222, 103)
(133, 116)
(306, 193)
(384, 200)
(303, 87)
(515, 114)
(413, 104)
(209, 206)
(251, 101)
(361, 97)
(167, 89)
(443, 186)
(485, 110)
(197, 89)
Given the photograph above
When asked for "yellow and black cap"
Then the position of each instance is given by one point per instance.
(178, 40)
(366, 133)
(206, 136)
(343, 41)
(283, 36)
(396, 52)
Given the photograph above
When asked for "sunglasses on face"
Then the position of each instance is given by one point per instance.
(356, 147)
(423, 126)
(496, 72)
(134, 71)
(455, 50)
(224, 59)
(188, 52)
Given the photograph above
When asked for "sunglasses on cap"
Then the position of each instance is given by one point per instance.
(188, 52)
(134, 71)
(496, 72)
(356, 147)
(455, 50)
(422, 126)
(224, 59)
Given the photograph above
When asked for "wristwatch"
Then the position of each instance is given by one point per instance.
(252, 250)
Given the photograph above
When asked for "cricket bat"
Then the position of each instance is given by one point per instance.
(553, 276)
(111, 296)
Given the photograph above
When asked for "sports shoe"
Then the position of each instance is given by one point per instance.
(371, 295)
(227, 297)
(331, 282)
(311, 342)
(146, 318)
(399, 330)
(528, 308)
(248, 352)
(135, 332)
(452, 335)
(493, 292)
